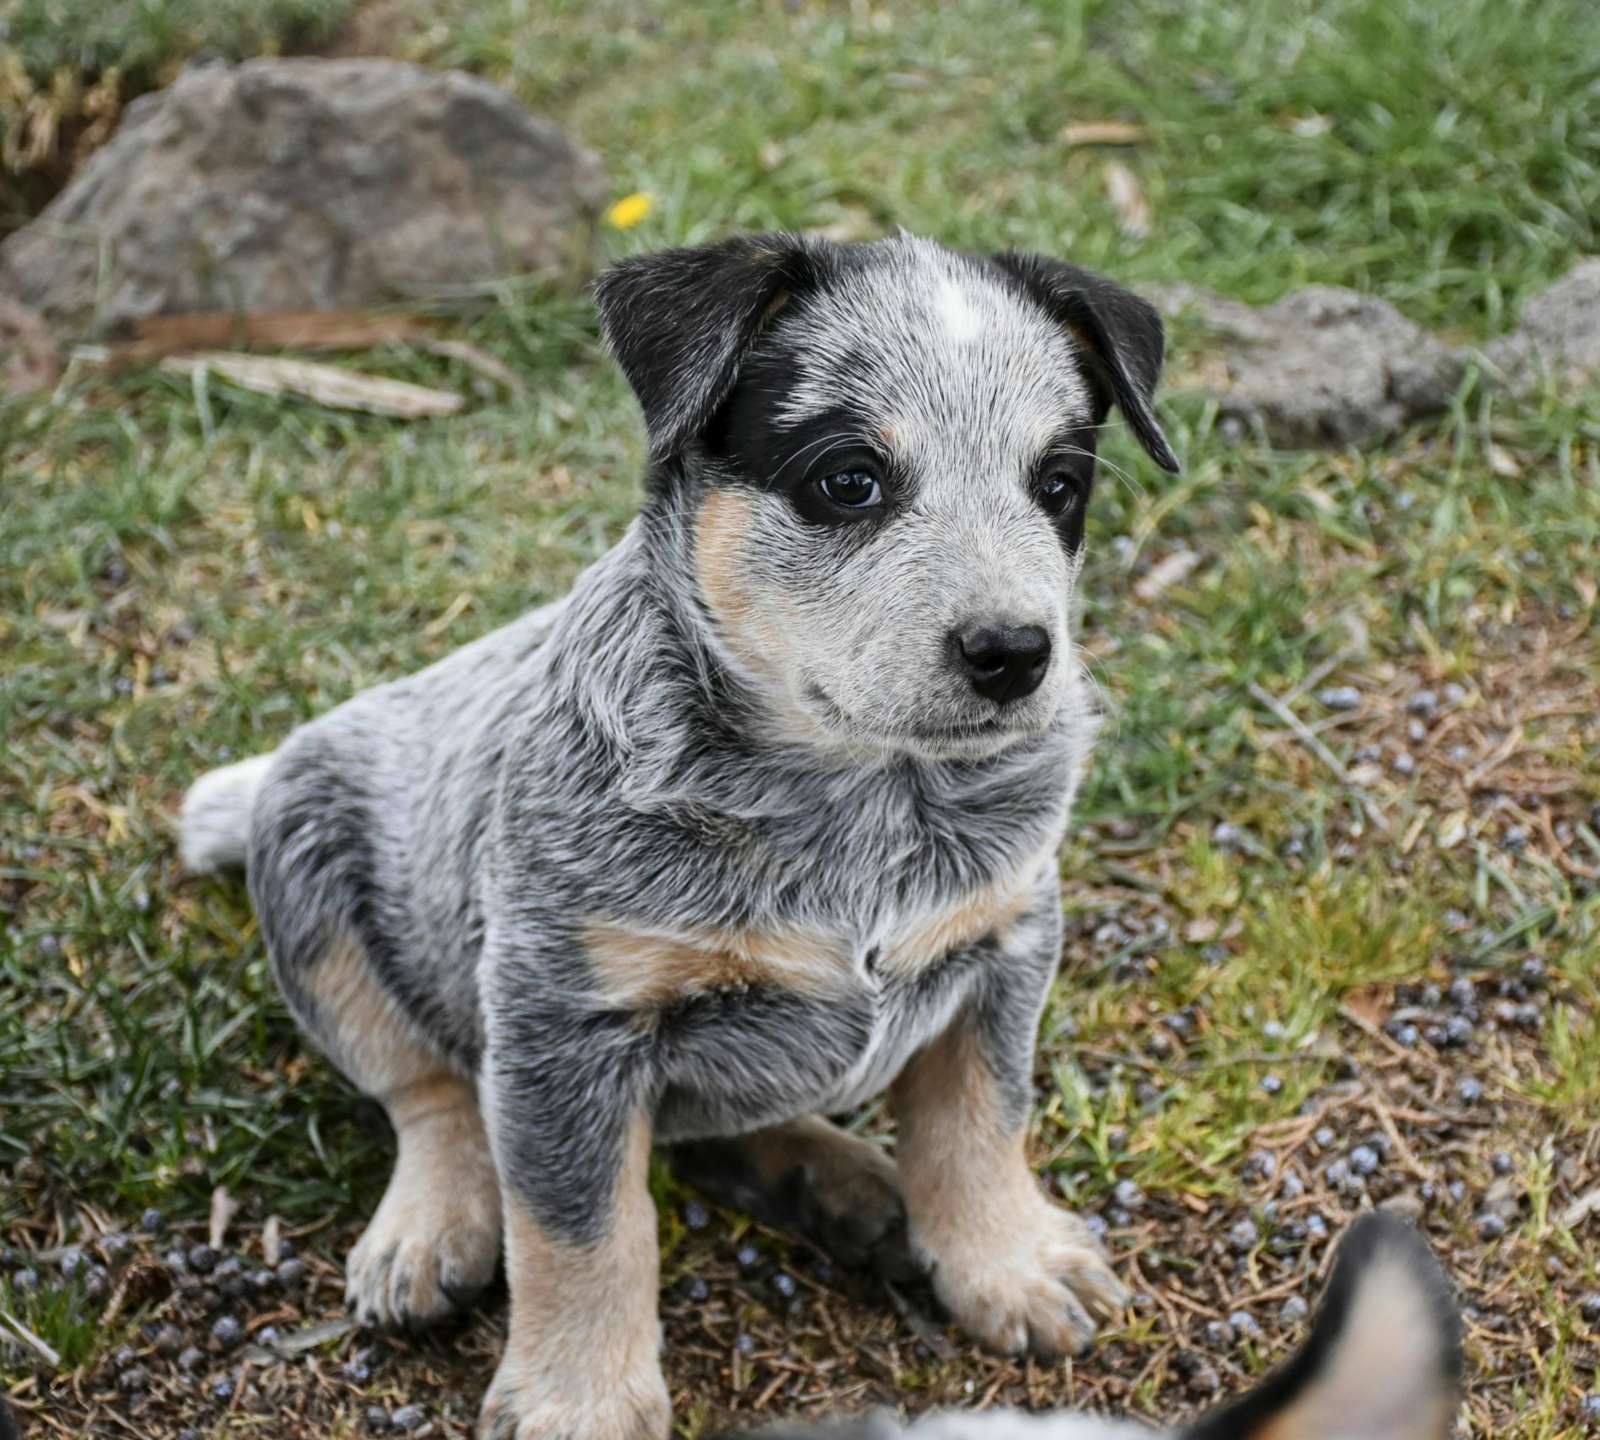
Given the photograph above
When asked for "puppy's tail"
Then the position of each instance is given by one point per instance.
(214, 831)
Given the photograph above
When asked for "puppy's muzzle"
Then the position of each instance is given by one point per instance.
(1002, 663)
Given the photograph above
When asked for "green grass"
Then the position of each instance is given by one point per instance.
(184, 577)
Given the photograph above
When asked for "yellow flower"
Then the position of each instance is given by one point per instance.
(630, 210)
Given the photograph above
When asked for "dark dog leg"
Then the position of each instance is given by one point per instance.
(811, 1179)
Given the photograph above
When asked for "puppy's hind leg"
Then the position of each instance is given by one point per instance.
(809, 1178)
(435, 1240)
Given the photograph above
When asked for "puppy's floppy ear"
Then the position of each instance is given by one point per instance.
(680, 321)
(1122, 337)
(1382, 1361)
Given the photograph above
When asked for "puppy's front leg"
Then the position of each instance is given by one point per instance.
(1015, 1271)
(570, 1126)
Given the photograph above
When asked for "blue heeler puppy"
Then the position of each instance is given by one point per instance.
(758, 821)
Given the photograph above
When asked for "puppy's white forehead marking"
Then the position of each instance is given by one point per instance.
(960, 319)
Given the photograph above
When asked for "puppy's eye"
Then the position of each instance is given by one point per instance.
(1061, 492)
(855, 489)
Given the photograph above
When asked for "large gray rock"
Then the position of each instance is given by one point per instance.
(305, 184)
(1323, 366)
(1558, 338)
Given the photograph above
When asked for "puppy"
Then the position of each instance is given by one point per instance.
(759, 820)
(1382, 1362)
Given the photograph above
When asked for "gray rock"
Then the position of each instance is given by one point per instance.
(305, 184)
(1323, 366)
(1559, 336)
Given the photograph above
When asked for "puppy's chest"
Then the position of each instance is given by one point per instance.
(881, 952)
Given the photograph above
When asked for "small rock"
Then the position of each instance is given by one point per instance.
(1340, 697)
(1364, 1160)
(202, 1259)
(1260, 1165)
(1127, 1195)
(1243, 1235)
(1293, 1310)
(1244, 1325)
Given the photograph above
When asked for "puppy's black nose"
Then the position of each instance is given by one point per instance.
(1003, 662)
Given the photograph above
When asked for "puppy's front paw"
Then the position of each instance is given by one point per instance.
(1039, 1283)
(528, 1402)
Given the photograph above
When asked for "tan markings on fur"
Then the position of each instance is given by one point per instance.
(1014, 1270)
(987, 911)
(362, 1029)
(436, 1234)
(641, 971)
(960, 1164)
(582, 1354)
(721, 530)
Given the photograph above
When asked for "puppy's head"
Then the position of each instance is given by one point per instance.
(1382, 1362)
(889, 451)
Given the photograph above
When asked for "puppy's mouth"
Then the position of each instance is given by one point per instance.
(956, 740)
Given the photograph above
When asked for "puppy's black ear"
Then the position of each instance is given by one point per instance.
(680, 321)
(1121, 335)
(1383, 1359)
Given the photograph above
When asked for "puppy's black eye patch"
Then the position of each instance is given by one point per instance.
(1063, 481)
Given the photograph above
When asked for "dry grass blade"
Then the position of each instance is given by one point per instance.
(1102, 132)
(1127, 199)
(163, 335)
(325, 384)
(223, 1208)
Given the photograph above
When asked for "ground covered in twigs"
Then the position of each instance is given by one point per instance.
(1334, 918)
